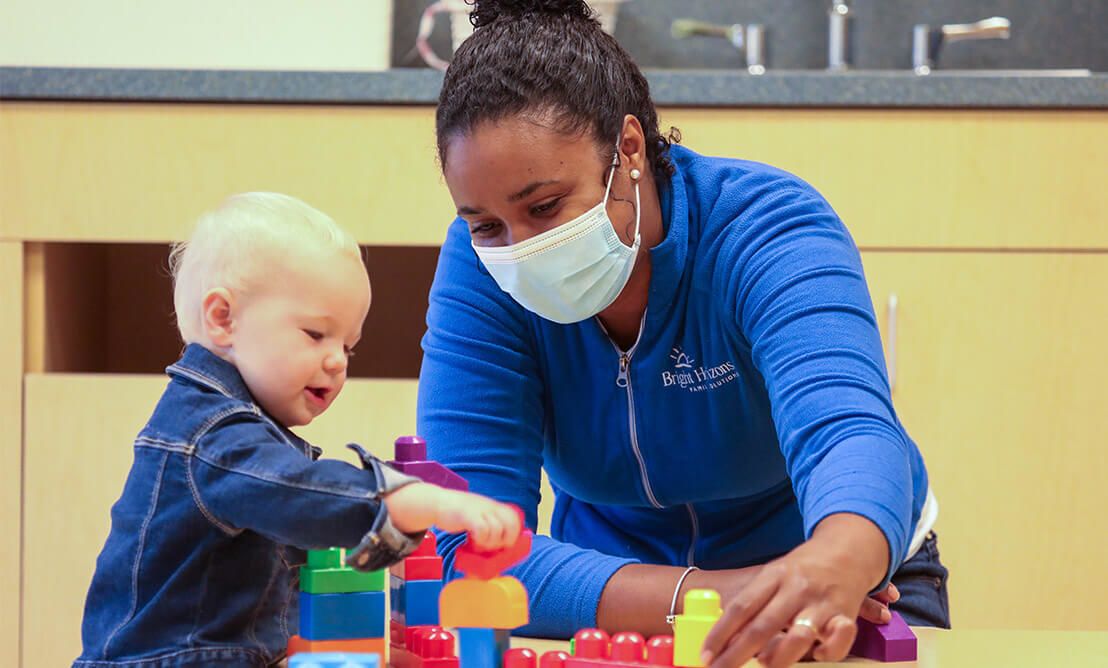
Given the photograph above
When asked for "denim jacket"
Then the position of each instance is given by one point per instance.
(200, 566)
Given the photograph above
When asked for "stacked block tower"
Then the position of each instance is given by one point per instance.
(341, 609)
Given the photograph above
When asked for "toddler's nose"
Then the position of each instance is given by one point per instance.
(335, 362)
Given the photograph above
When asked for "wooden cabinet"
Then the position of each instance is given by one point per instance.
(1000, 372)
(988, 226)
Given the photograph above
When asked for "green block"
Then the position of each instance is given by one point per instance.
(340, 580)
(572, 646)
(329, 558)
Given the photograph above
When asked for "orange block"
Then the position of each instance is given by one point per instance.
(364, 645)
(499, 603)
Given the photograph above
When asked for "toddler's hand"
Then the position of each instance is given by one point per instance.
(491, 524)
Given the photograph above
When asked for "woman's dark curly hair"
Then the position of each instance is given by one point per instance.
(547, 59)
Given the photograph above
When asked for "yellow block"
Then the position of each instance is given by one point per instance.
(701, 612)
(499, 603)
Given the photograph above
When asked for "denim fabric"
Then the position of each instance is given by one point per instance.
(200, 566)
(922, 584)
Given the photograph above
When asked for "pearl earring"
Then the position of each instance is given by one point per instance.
(635, 174)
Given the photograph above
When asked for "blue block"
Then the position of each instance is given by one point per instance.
(334, 660)
(482, 648)
(414, 602)
(342, 616)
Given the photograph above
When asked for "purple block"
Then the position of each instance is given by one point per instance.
(434, 473)
(410, 449)
(885, 642)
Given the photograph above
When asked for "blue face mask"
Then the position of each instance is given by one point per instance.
(570, 273)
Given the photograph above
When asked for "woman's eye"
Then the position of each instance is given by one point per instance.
(545, 207)
(483, 229)
(314, 335)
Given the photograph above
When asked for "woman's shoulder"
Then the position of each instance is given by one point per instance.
(736, 178)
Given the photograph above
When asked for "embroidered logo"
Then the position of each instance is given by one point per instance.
(692, 378)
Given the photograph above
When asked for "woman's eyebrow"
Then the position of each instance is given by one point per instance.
(528, 189)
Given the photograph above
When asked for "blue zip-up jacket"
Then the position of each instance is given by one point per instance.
(754, 403)
(200, 566)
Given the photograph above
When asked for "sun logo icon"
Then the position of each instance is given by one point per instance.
(681, 360)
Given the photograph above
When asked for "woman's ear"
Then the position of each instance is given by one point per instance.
(217, 309)
(632, 145)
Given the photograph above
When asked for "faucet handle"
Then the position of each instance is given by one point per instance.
(926, 41)
(996, 27)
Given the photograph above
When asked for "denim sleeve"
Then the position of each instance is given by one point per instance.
(245, 475)
(480, 408)
(794, 281)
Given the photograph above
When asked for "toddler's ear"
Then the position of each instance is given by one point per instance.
(217, 316)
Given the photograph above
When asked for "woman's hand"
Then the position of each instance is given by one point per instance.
(813, 593)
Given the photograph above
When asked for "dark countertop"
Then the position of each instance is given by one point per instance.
(691, 88)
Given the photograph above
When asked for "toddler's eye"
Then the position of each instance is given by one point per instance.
(314, 335)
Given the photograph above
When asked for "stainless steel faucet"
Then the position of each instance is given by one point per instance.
(926, 41)
(838, 18)
(748, 39)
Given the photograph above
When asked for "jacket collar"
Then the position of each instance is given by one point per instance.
(667, 259)
(203, 367)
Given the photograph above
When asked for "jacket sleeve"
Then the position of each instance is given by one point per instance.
(245, 475)
(481, 411)
(793, 279)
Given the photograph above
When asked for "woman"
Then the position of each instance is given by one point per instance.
(688, 346)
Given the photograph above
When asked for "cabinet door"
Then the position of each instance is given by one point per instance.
(79, 430)
(1000, 370)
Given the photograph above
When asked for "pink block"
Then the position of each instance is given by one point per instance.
(885, 642)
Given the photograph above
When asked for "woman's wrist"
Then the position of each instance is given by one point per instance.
(856, 543)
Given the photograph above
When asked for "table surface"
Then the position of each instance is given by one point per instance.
(969, 648)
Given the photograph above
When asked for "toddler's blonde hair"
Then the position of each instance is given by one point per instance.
(238, 243)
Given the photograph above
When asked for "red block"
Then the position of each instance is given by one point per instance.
(553, 659)
(421, 647)
(520, 657)
(418, 568)
(486, 565)
(593, 649)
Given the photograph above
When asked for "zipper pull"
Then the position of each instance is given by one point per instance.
(624, 365)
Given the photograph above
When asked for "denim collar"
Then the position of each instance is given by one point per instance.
(203, 367)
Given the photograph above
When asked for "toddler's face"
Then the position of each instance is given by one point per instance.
(291, 340)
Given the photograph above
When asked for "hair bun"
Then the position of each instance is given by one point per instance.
(487, 11)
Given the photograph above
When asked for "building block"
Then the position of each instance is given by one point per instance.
(885, 642)
(415, 602)
(424, 647)
(482, 647)
(499, 603)
(335, 660)
(342, 616)
(298, 645)
(553, 659)
(699, 615)
(476, 563)
(332, 557)
(343, 580)
(594, 649)
(411, 458)
(520, 657)
(418, 568)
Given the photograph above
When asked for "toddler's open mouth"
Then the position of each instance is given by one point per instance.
(317, 395)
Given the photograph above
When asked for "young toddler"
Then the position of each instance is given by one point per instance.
(200, 566)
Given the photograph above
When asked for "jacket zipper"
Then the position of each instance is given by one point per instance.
(623, 379)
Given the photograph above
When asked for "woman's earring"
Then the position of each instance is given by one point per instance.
(635, 174)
